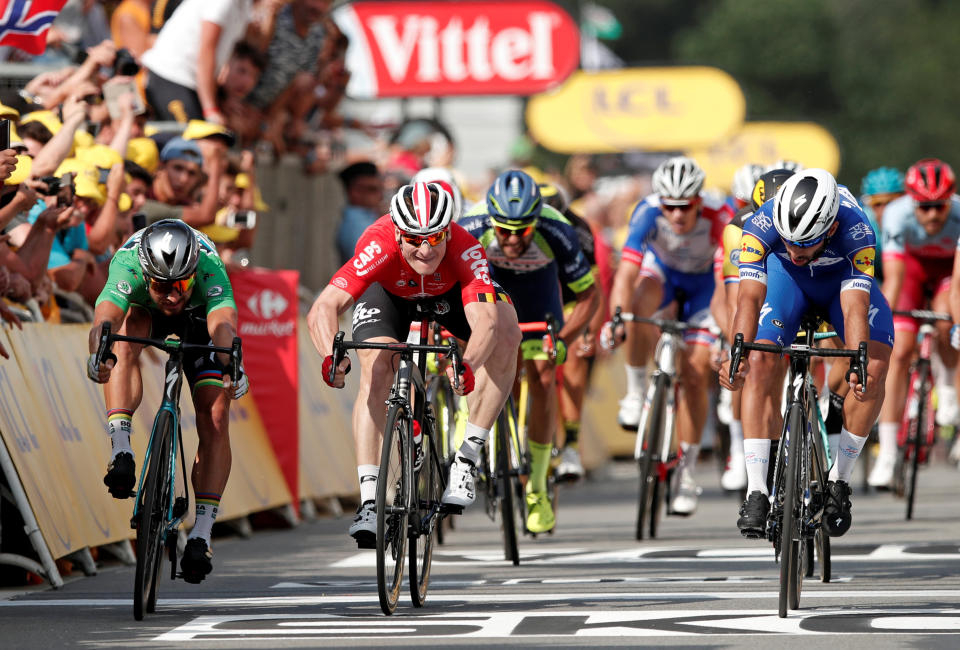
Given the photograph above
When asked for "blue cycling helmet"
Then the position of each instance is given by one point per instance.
(514, 198)
(883, 180)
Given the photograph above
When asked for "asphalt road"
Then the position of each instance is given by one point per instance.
(895, 584)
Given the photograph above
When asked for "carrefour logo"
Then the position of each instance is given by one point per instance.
(267, 304)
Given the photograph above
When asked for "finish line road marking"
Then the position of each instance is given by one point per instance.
(606, 623)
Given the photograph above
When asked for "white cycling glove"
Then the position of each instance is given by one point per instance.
(242, 386)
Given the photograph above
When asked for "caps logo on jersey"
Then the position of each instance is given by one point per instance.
(863, 260)
(751, 249)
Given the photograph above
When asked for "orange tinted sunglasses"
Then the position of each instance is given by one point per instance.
(166, 287)
(505, 230)
(417, 241)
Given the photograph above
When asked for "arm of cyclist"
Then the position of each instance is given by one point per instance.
(222, 327)
(323, 323)
(590, 336)
(749, 300)
(624, 283)
(482, 318)
(893, 272)
(105, 312)
(586, 306)
(856, 306)
(955, 301)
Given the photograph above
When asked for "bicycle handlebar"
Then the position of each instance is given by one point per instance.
(924, 315)
(107, 339)
(550, 327)
(676, 326)
(858, 358)
(451, 349)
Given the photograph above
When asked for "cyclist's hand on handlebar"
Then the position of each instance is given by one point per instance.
(335, 377)
(610, 336)
(557, 350)
(466, 379)
(241, 388)
(955, 336)
(738, 379)
(101, 373)
(856, 387)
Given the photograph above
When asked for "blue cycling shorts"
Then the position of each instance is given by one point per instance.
(692, 291)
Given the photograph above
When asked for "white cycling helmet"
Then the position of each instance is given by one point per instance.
(678, 178)
(806, 206)
(421, 208)
(443, 177)
(789, 165)
(744, 179)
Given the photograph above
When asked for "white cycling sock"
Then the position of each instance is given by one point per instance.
(368, 482)
(850, 446)
(688, 460)
(474, 438)
(756, 456)
(119, 428)
(887, 433)
(636, 379)
(736, 438)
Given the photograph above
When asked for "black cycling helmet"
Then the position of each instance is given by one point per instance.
(169, 250)
(767, 185)
(514, 198)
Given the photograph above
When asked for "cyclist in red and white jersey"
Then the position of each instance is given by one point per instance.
(415, 257)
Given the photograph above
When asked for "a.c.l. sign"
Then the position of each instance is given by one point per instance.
(404, 49)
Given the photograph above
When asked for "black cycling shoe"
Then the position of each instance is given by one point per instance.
(197, 561)
(836, 512)
(121, 476)
(753, 515)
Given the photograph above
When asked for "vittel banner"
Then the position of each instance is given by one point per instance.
(404, 49)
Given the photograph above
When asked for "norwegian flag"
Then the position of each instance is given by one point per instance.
(24, 23)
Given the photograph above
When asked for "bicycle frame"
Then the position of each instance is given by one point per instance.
(665, 360)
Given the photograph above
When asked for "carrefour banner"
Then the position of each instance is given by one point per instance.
(267, 306)
(652, 109)
(765, 143)
(406, 49)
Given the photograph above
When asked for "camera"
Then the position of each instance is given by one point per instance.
(53, 185)
(124, 64)
(241, 219)
(61, 187)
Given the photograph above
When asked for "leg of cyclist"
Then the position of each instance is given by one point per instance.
(573, 388)
(945, 360)
(122, 395)
(692, 407)
(891, 413)
(541, 379)
(644, 298)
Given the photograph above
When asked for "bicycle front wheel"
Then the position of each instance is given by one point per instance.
(423, 531)
(153, 500)
(393, 507)
(648, 497)
(505, 486)
(791, 539)
(919, 435)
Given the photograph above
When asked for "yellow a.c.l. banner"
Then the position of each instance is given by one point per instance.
(765, 143)
(653, 109)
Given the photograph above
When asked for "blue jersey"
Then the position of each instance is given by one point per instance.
(847, 260)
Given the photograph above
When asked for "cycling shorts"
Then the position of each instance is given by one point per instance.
(535, 295)
(922, 279)
(787, 302)
(692, 291)
(200, 368)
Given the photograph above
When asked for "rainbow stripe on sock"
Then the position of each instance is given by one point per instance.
(207, 498)
(119, 414)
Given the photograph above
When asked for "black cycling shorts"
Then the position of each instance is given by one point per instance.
(380, 313)
(172, 102)
(191, 327)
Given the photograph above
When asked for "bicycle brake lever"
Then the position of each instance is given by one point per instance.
(103, 350)
(736, 352)
(236, 357)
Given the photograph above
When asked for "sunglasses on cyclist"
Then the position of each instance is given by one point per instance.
(505, 230)
(417, 241)
(166, 287)
(931, 205)
(669, 207)
(808, 243)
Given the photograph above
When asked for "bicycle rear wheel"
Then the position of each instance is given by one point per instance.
(919, 433)
(650, 488)
(505, 486)
(442, 400)
(791, 539)
(151, 518)
(423, 532)
(393, 507)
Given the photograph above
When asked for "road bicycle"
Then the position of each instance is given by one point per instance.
(800, 479)
(656, 447)
(408, 507)
(158, 508)
(918, 426)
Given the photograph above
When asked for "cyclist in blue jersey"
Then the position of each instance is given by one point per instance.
(810, 248)
(668, 259)
(532, 249)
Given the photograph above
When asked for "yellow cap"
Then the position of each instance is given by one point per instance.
(78, 167)
(144, 152)
(82, 139)
(21, 172)
(100, 155)
(46, 118)
(199, 129)
(243, 182)
(89, 189)
(9, 113)
(124, 203)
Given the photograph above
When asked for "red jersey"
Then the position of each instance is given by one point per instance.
(377, 258)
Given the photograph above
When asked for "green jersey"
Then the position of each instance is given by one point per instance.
(126, 284)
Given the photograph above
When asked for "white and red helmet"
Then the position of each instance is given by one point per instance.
(445, 179)
(422, 208)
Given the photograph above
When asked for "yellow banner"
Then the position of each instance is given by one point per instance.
(765, 143)
(659, 109)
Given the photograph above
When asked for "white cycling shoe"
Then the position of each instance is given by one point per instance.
(882, 473)
(734, 477)
(629, 415)
(687, 491)
(462, 485)
(570, 468)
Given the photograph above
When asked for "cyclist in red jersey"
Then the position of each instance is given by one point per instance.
(416, 257)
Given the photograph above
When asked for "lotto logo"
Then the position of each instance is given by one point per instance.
(361, 314)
